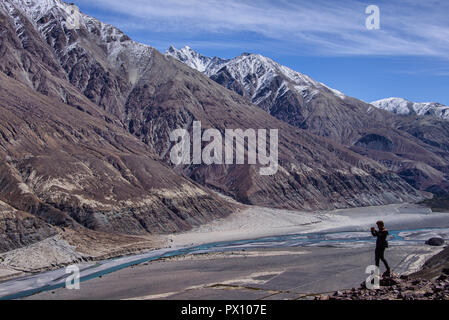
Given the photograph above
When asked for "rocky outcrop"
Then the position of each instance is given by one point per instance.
(18, 229)
(429, 283)
(398, 288)
(436, 265)
(436, 242)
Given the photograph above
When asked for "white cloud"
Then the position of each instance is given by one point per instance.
(326, 27)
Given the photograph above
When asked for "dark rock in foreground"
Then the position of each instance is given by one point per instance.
(435, 242)
(397, 288)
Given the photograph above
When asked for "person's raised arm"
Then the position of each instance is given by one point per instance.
(374, 232)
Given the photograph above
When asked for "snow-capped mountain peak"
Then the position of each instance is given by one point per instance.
(196, 60)
(51, 16)
(36, 9)
(405, 107)
(257, 77)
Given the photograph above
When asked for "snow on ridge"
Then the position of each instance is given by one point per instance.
(195, 60)
(395, 105)
(240, 67)
(339, 94)
(265, 69)
(36, 9)
(120, 48)
(405, 107)
(190, 57)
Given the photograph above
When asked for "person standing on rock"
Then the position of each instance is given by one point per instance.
(381, 245)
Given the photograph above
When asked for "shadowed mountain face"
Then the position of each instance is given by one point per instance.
(84, 135)
(18, 228)
(410, 146)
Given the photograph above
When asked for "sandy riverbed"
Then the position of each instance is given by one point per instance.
(256, 222)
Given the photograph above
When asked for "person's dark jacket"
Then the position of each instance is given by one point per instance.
(381, 242)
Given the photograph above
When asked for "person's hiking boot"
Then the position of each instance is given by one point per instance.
(386, 273)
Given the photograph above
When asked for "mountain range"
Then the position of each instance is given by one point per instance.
(404, 107)
(414, 147)
(87, 114)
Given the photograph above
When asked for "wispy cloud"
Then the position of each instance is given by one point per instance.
(440, 71)
(325, 27)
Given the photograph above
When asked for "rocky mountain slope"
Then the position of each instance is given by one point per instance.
(409, 146)
(84, 136)
(74, 170)
(18, 228)
(404, 107)
(273, 87)
(435, 266)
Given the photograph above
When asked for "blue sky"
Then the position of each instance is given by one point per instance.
(326, 39)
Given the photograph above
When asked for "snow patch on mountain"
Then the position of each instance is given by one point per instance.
(405, 107)
(339, 94)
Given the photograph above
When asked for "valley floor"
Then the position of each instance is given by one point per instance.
(256, 253)
(282, 273)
